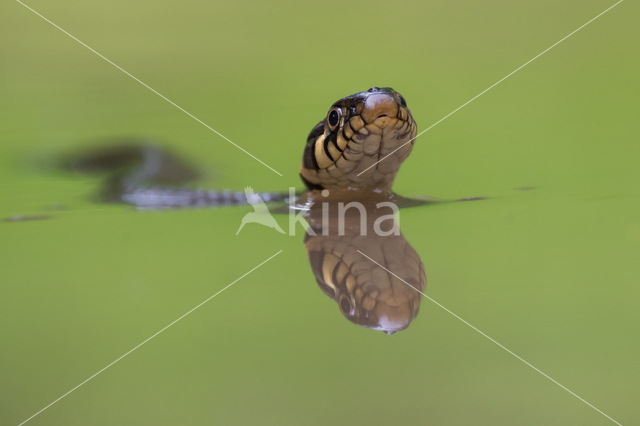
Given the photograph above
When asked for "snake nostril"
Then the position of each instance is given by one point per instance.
(381, 116)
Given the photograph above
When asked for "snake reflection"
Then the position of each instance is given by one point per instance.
(366, 294)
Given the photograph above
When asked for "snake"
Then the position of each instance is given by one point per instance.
(348, 150)
(353, 153)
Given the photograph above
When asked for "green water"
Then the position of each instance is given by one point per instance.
(550, 273)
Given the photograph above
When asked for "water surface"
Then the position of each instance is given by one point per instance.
(551, 273)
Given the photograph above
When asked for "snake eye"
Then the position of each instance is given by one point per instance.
(333, 118)
(403, 102)
(345, 305)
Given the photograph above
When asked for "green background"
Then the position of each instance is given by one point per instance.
(551, 273)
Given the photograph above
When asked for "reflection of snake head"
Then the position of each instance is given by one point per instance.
(357, 132)
(366, 294)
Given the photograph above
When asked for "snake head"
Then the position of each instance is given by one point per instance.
(345, 148)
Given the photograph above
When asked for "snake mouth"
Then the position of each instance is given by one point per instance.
(379, 105)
